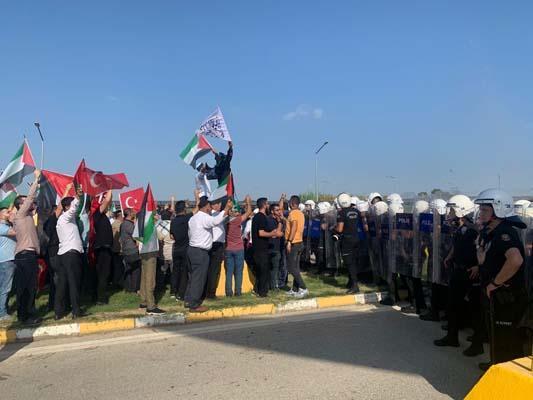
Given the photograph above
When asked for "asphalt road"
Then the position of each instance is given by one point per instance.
(359, 352)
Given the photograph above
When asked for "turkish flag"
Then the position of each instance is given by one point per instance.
(95, 182)
(132, 199)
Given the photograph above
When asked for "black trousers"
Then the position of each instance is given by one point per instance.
(104, 258)
(26, 283)
(350, 251)
(262, 264)
(118, 270)
(132, 273)
(293, 266)
(180, 274)
(52, 262)
(478, 315)
(68, 282)
(415, 285)
(198, 267)
(216, 256)
(457, 290)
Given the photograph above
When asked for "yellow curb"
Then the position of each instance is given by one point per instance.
(205, 316)
(106, 326)
(335, 301)
(511, 380)
(253, 310)
(7, 336)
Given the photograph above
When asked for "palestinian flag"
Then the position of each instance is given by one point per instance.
(52, 188)
(224, 190)
(8, 194)
(21, 164)
(144, 230)
(197, 148)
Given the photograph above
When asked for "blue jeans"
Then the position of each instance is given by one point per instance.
(7, 271)
(234, 266)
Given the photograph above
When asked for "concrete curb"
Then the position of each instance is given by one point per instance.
(86, 328)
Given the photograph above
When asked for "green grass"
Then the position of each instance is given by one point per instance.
(122, 304)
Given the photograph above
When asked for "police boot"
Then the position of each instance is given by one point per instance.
(430, 316)
(475, 349)
(447, 341)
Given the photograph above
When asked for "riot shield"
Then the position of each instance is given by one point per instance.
(374, 248)
(442, 244)
(326, 249)
(392, 239)
(424, 247)
(403, 243)
(527, 239)
(384, 243)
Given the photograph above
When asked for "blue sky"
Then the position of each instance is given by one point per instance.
(436, 94)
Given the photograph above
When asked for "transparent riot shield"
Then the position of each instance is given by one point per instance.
(424, 247)
(442, 244)
(403, 243)
(527, 239)
(392, 245)
(384, 241)
(374, 248)
(307, 237)
(326, 249)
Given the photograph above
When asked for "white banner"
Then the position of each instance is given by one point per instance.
(215, 126)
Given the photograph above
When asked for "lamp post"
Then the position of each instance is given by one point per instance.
(38, 126)
(316, 169)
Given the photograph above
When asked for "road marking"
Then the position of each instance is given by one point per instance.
(15, 350)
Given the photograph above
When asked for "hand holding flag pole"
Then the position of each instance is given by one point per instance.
(38, 126)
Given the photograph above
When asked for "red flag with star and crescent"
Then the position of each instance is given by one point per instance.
(132, 199)
(95, 182)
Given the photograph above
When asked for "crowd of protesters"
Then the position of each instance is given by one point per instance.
(277, 239)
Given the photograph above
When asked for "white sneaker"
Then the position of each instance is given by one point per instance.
(301, 293)
(291, 293)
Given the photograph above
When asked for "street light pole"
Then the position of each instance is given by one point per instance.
(316, 169)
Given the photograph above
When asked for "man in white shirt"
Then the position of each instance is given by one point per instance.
(200, 243)
(69, 253)
(216, 255)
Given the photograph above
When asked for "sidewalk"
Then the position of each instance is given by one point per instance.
(101, 323)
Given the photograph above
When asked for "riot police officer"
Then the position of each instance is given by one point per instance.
(347, 226)
(462, 260)
(501, 259)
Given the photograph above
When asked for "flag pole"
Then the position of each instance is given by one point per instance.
(38, 126)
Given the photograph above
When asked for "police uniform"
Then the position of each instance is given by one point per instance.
(508, 303)
(464, 258)
(350, 241)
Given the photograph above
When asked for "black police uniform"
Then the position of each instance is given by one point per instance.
(464, 258)
(350, 241)
(508, 303)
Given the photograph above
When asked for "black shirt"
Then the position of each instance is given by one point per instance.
(103, 230)
(179, 229)
(350, 218)
(497, 242)
(274, 243)
(464, 246)
(49, 228)
(259, 222)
